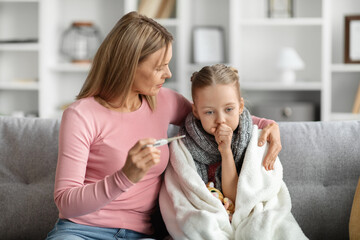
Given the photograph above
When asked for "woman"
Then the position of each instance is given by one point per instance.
(108, 175)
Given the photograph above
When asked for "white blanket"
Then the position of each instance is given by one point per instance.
(262, 207)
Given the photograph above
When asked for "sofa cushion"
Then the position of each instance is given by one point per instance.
(28, 159)
(321, 163)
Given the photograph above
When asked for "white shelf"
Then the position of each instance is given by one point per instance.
(279, 86)
(345, 67)
(19, 56)
(344, 116)
(19, 86)
(282, 22)
(343, 79)
(194, 67)
(251, 40)
(19, 46)
(168, 22)
(20, 1)
(72, 67)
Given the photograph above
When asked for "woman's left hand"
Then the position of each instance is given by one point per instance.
(271, 133)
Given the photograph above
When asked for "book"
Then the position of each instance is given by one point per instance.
(166, 9)
(356, 106)
(149, 8)
(19, 40)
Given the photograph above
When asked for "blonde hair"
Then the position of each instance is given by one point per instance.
(212, 75)
(132, 40)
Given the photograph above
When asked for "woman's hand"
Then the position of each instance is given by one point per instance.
(140, 159)
(271, 133)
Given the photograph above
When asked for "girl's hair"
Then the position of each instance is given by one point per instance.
(212, 75)
(132, 40)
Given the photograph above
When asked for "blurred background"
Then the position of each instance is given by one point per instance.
(298, 60)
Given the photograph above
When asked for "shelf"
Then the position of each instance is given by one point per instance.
(251, 41)
(71, 67)
(20, 1)
(19, 86)
(279, 86)
(345, 67)
(344, 116)
(168, 22)
(282, 22)
(195, 67)
(19, 46)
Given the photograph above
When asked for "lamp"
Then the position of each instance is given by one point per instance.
(289, 61)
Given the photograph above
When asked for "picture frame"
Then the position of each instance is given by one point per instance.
(352, 39)
(208, 45)
(280, 8)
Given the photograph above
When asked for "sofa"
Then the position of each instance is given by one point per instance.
(321, 162)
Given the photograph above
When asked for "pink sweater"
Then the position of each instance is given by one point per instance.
(90, 187)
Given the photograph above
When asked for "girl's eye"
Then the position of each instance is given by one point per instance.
(209, 112)
(229, 109)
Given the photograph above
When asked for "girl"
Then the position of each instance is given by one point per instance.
(219, 128)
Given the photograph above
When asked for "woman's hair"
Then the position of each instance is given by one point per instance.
(132, 40)
(212, 75)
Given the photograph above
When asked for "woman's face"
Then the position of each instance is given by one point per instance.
(217, 104)
(151, 73)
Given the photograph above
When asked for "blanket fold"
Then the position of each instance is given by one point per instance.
(262, 207)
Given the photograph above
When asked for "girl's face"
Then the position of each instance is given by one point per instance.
(151, 73)
(217, 104)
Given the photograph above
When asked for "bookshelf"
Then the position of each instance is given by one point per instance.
(19, 57)
(256, 41)
(48, 81)
(343, 79)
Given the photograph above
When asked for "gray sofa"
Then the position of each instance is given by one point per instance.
(321, 163)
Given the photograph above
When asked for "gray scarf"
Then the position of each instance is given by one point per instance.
(204, 148)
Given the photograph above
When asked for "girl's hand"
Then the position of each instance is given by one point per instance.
(223, 136)
(271, 133)
(140, 159)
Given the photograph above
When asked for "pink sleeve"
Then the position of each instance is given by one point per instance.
(72, 197)
(261, 122)
(179, 107)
